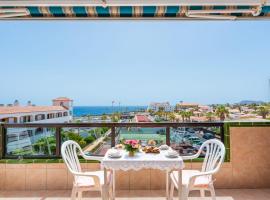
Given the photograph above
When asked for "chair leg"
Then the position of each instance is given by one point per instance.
(171, 191)
(212, 191)
(73, 193)
(104, 192)
(202, 192)
(185, 193)
(80, 195)
(110, 192)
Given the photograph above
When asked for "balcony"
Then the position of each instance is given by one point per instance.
(245, 173)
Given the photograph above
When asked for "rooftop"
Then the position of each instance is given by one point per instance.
(62, 99)
(29, 109)
(187, 104)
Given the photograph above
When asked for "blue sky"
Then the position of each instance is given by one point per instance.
(134, 62)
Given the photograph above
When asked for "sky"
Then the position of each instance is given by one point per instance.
(134, 62)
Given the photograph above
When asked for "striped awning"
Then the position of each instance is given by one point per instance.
(134, 9)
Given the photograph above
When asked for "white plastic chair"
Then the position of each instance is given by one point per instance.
(201, 180)
(84, 181)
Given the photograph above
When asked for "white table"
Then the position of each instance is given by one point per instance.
(142, 160)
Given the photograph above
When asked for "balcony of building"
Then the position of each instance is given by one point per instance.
(32, 171)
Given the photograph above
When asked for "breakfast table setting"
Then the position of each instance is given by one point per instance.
(131, 156)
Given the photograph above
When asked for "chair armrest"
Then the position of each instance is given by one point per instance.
(203, 173)
(191, 157)
(98, 158)
(89, 174)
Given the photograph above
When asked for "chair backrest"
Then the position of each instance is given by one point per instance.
(69, 151)
(214, 155)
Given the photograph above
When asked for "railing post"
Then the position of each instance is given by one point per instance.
(112, 136)
(1, 141)
(168, 142)
(222, 133)
(58, 141)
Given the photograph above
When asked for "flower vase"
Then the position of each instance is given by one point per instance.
(131, 153)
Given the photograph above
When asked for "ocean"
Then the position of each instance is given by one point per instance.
(99, 110)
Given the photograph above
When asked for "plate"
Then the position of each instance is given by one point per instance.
(114, 156)
(164, 147)
(171, 156)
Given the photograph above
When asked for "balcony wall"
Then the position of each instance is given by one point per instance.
(249, 167)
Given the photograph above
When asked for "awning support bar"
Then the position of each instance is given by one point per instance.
(13, 12)
(210, 14)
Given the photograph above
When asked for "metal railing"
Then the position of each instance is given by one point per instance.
(113, 126)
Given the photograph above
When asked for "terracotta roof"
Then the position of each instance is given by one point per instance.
(29, 109)
(187, 104)
(62, 99)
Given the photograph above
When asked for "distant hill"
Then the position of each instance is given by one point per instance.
(248, 102)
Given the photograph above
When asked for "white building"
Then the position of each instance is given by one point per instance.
(59, 112)
(165, 106)
(23, 139)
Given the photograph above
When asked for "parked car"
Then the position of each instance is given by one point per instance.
(208, 136)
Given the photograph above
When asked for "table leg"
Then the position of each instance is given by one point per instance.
(167, 184)
(113, 184)
(105, 184)
(180, 192)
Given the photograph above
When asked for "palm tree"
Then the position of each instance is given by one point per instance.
(171, 116)
(103, 117)
(188, 115)
(159, 114)
(210, 116)
(151, 112)
(263, 111)
(222, 112)
(183, 115)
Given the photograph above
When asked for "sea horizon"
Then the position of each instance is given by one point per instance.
(79, 111)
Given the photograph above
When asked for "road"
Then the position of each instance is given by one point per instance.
(94, 144)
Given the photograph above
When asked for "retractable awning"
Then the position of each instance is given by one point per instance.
(135, 9)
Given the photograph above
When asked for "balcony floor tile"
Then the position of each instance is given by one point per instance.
(222, 194)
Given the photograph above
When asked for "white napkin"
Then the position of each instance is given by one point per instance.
(172, 153)
(164, 147)
(114, 153)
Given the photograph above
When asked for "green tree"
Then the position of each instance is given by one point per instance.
(210, 116)
(46, 145)
(263, 111)
(253, 106)
(116, 117)
(222, 112)
(151, 112)
(171, 116)
(68, 135)
(188, 115)
(89, 139)
(183, 115)
(104, 117)
(160, 112)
